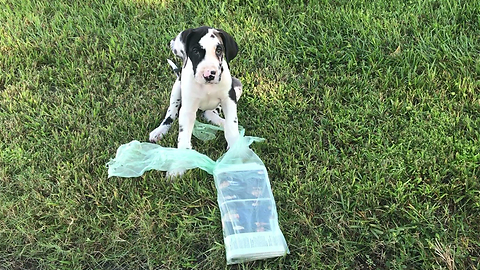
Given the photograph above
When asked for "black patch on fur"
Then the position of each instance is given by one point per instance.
(180, 128)
(177, 72)
(197, 54)
(221, 72)
(167, 121)
(232, 94)
(194, 50)
(231, 47)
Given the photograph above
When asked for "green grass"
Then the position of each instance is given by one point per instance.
(371, 111)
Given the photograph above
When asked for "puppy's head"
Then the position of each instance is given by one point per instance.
(207, 49)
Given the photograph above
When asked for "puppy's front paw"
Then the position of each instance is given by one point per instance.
(158, 133)
(174, 174)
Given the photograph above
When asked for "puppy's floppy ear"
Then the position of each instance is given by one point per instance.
(178, 45)
(231, 47)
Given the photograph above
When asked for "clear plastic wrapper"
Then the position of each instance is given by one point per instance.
(248, 213)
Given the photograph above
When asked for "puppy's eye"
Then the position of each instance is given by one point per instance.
(195, 50)
(219, 50)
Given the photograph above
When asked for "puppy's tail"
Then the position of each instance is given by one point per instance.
(176, 70)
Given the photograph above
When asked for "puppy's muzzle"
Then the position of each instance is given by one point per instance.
(209, 75)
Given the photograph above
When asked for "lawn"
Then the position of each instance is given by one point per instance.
(370, 111)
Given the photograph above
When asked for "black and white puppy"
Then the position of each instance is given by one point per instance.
(205, 83)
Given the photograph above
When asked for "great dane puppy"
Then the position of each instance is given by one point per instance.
(204, 83)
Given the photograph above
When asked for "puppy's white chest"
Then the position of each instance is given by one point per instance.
(209, 104)
(208, 96)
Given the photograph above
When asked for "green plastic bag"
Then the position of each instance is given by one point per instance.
(247, 207)
(206, 132)
(135, 158)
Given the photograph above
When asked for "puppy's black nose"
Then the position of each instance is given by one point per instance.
(209, 75)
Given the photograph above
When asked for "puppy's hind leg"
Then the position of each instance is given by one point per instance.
(172, 114)
(213, 116)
